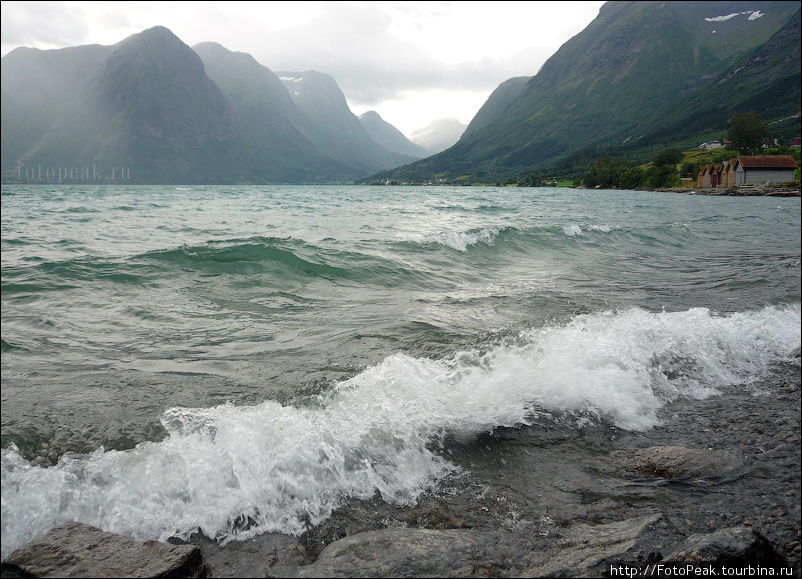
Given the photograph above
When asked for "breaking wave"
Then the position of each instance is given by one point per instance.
(238, 471)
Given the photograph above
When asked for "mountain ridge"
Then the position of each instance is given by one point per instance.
(144, 110)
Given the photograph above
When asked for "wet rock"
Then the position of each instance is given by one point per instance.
(78, 550)
(402, 552)
(674, 462)
(267, 555)
(733, 546)
(584, 550)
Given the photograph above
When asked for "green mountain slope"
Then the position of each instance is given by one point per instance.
(768, 81)
(602, 87)
(497, 103)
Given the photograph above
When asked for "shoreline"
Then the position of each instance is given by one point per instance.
(768, 190)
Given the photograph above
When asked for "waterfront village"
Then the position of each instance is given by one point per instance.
(747, 170)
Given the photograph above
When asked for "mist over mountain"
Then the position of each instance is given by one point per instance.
(390, 137)
(142, 106)
(269, 117)
(332, 127)
(641, 75)
(150, 109)
(438, 135)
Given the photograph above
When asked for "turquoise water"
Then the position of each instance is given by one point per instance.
(176, 357)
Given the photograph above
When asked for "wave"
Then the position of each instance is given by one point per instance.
(283, 467)
(288, 258)
(392, 263)
(459, 240)
(280, 258)
(522, 236)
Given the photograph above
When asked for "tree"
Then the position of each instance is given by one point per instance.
(606, 172)
(668, 157)
(662, 176)
(747, 132)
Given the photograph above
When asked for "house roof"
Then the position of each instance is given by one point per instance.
(768, 162)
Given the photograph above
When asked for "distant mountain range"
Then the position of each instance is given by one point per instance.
(642, 76)
(150, 109)
(439, 135)
(332, 127)
(389, 137)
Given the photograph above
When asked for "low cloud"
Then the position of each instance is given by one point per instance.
(376, 51)
(358, 47)
(49, 24)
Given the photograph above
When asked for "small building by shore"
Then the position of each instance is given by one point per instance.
(747, 170)
(764, 169)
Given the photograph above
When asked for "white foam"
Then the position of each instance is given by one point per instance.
(459, 240)
(286, 467)
(572, 230)
(602, 228)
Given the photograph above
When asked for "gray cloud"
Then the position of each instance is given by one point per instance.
(48, 23)
(356, 46)
(370, 48)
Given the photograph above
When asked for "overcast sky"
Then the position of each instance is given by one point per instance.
(412, 62)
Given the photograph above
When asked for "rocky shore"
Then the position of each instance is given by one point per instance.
(767, 190)
(714, 489)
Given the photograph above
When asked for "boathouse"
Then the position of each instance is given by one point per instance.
(764, 169)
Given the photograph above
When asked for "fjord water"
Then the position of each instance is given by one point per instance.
(176, 358)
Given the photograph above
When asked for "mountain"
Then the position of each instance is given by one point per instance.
(635, 78)
(332, 127)
(141, 111)
(159, 114)
(768, 80)
(497, 103)
(389, 137)
(151, 110)
(269, 117)
(438, 135)
(39, 89)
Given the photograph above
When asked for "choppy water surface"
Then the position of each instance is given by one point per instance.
(175, 358)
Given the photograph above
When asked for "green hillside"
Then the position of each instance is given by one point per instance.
(627, 84)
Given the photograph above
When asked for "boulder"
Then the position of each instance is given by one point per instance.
(79, 550)
(678, 462)
(586, 550)
(404, 552)
(731, 547)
